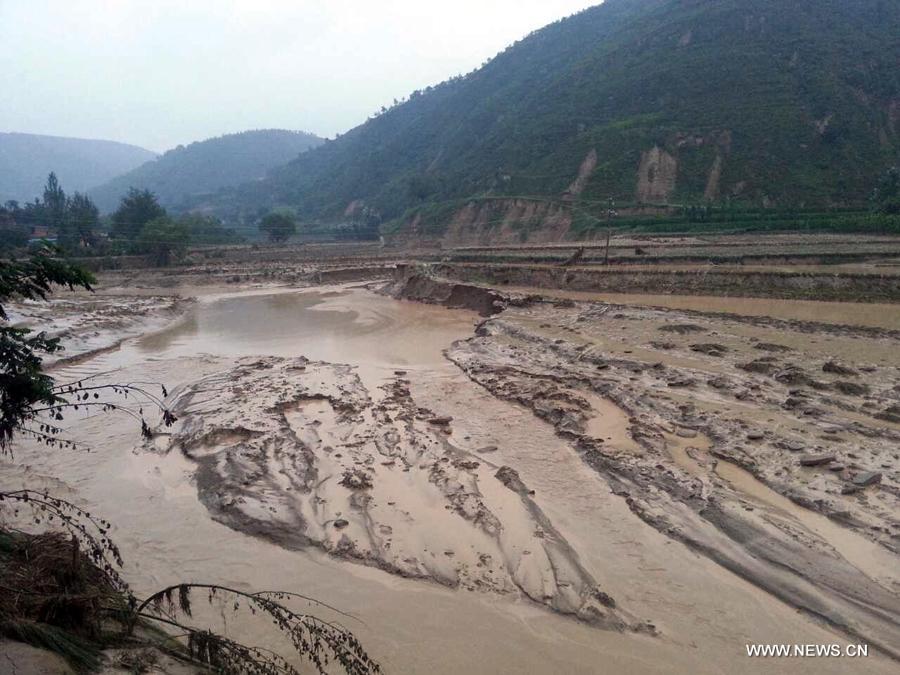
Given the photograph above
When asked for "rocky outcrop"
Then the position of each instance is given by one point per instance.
(711, 193)
(584, 175)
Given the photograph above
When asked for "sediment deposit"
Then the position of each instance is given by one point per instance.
(767, 445)
(614, 477)
(87, 323)
(302, 453)
(772, 452)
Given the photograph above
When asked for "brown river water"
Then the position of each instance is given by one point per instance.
(704, 614)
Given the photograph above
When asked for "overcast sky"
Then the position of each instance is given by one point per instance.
(162, 72)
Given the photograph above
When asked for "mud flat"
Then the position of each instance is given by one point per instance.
(764, 310)
(88, 323)
(766, 436)
(540, 502)
(298, 452)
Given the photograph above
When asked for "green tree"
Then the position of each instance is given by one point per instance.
(33, 213)
(13, 235)
(23, 384)
(82, 218)
(278, 226)
(54, 202)
(54, 211)
(886, 196)
(136, 209)
(163, 239)
(208, 230)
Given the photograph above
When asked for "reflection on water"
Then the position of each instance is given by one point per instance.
(233, 325)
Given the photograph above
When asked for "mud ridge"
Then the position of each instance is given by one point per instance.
(301, 453)
(708, 479)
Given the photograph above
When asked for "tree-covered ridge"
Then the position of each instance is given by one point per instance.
(26, 159)
(206, 166)
(681, 101)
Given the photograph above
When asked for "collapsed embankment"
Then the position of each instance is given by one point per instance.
(811, 285)
(413, 282)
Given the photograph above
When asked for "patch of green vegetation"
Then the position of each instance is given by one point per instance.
(793, 96)
(645, 120)
(694, 167)
(430, 218)
(715, 218)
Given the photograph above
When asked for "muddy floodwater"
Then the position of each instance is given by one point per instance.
(355, 448)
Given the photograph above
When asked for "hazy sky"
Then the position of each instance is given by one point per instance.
(162, 72)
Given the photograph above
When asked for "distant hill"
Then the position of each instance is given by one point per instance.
(80, 164)
(763, 102)
(206, 166)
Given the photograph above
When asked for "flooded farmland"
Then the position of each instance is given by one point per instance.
(549, 489)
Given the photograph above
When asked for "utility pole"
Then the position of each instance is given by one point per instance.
(609, 214)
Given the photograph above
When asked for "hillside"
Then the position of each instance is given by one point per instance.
(757, 102)
(80, 164)
(206, 166)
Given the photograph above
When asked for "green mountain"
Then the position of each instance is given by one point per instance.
(206, 166)
(761, 102)
(80, 164)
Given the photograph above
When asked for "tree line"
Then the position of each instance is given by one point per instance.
(74, 218)
(139, 226)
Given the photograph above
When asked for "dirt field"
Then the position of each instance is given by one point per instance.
(857, 268)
